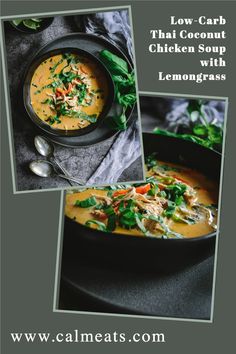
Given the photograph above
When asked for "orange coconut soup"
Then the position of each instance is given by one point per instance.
(175, 202)
(68, 92)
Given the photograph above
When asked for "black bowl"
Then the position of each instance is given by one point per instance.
(46, 22)
(26, 92)
(151, 252)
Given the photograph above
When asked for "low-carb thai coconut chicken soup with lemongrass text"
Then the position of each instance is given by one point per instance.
(175, 202)
(68, 91)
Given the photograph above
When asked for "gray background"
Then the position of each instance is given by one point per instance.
(30, 230)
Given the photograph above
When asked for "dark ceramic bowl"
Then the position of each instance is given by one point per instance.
(26, 92)
(150, 251)
(45, 23)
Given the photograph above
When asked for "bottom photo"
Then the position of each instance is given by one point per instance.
(148, 248)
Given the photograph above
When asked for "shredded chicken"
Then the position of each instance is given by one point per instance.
(153, 226)
(154, 208)
(74, 68)
(190, 196)
(207, 213)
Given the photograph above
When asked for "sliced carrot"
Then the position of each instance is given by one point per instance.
(143, 189)
(120, 192)
(59, 89)
(140, 190)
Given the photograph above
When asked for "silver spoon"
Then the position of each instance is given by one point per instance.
(44, 168)
(46, 149)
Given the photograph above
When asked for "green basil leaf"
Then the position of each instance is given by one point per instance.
(56, 65)
(193, 138)
(101, 225)
(127, 100)
(109, 210)
(151, 160)
(140, 225)
(153, 191)
(201, 130)
(188, 221)
(114, 63)
(92, 118)
(179, 200)
(175, 192)
(156, 218)
(37, 19)
(17, 21)
(91, 201)
(170, 209)
(111, 223)
(215, 134)
(119, 122)
(31, 24)
(127, 219)
(48, 101)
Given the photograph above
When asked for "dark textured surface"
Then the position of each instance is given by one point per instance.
(20, 47)
(102, 288)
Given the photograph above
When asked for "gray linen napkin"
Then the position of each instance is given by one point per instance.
(125, 150)
(178, 118)
(115, 27)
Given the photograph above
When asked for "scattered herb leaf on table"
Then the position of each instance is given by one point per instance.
(32, 23)
(205, 134)
(125, 91)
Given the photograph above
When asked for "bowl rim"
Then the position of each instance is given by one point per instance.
(35, 61)
(181, 139)
(123, 237)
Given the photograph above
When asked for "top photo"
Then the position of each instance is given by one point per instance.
(72, 100)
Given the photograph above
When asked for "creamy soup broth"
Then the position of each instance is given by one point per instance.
(204, 190)
(68, 95)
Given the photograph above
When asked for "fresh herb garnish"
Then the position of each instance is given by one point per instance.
(101, 225)
(92, 118)
(53, 119)
(86, 203)
(206, 134)
(115, 64)
(125, 91)
(151, 160)
(32, 23)
(111, 222)
(187, 220)
(170, 209)
(153, 191)
(174, 191)
(47, 101)
(56, 65)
